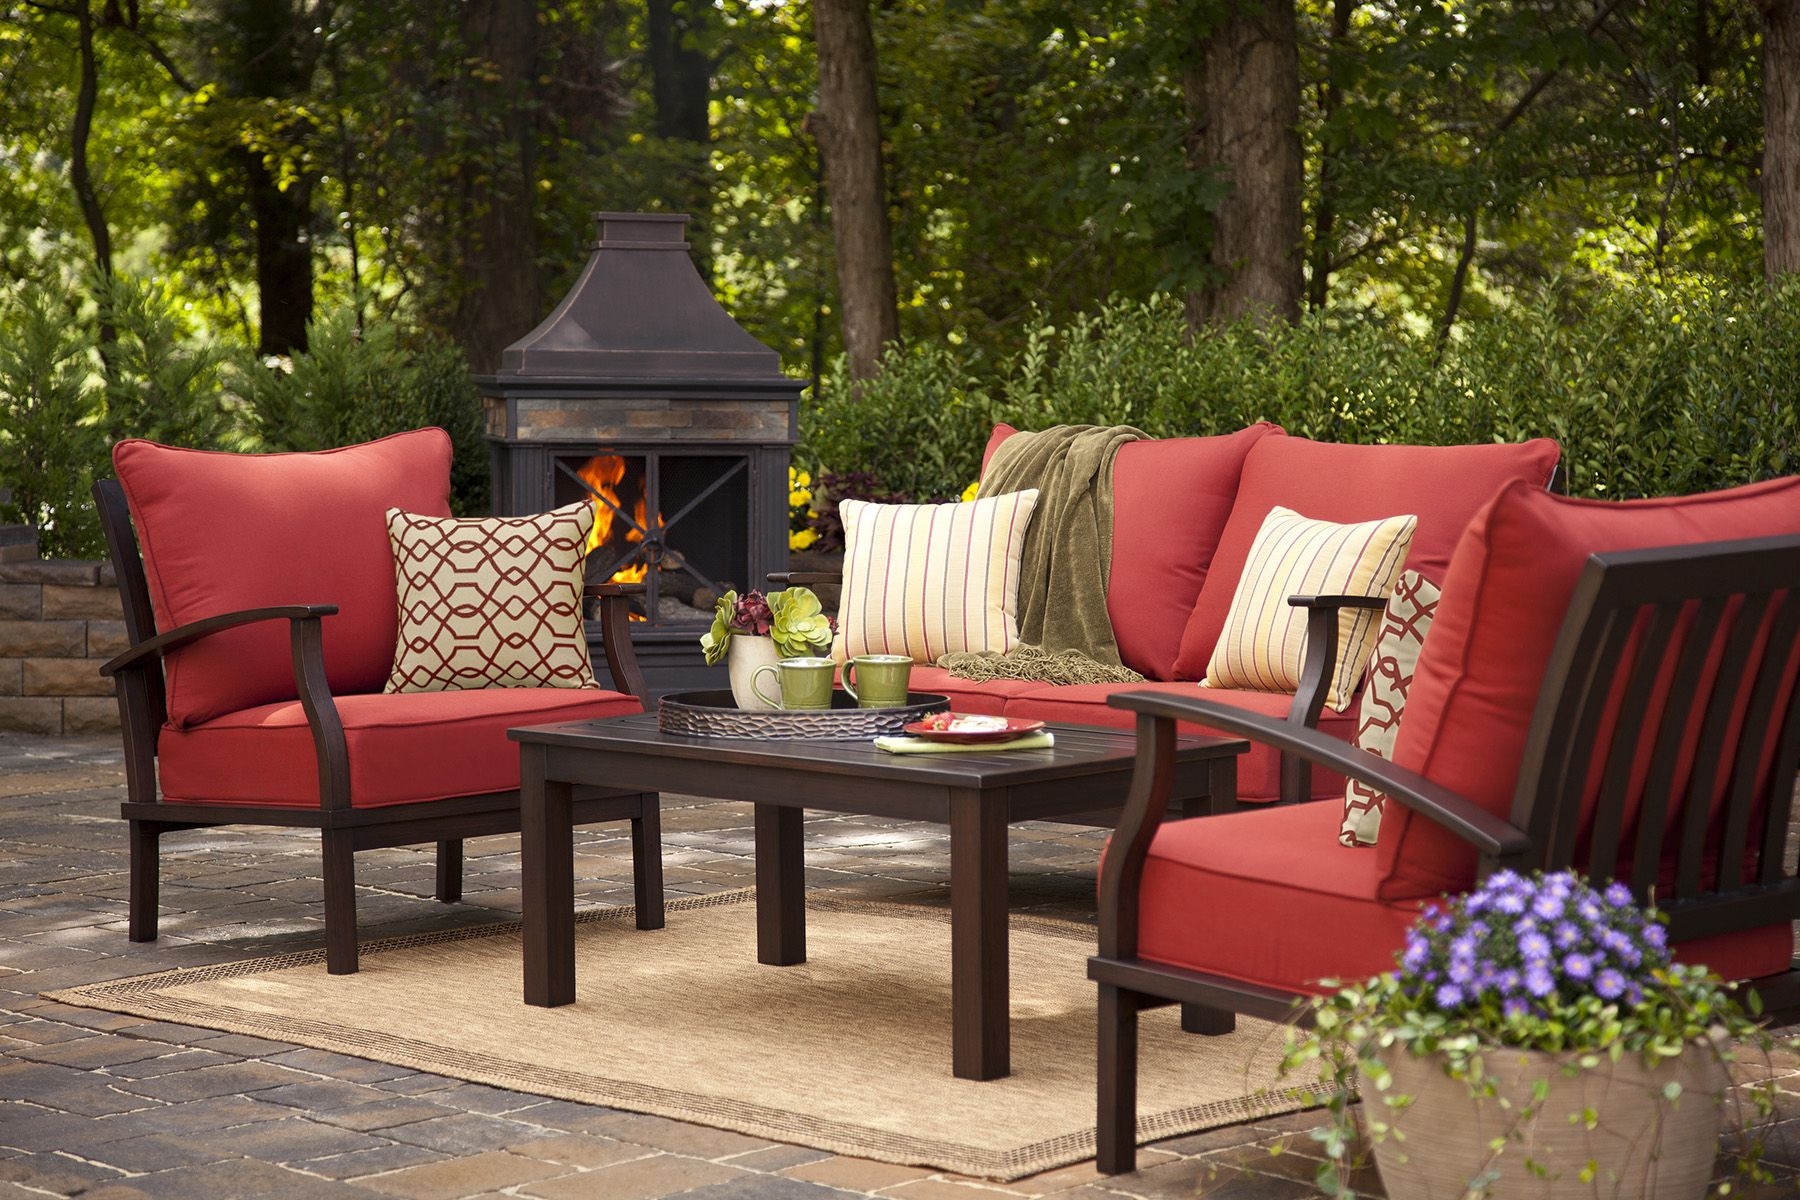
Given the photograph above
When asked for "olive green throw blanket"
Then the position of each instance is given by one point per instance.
(1068, 549)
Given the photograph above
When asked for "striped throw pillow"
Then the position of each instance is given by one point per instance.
(927, 579)
(1263, 644)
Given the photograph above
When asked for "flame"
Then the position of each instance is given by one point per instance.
(603, 473)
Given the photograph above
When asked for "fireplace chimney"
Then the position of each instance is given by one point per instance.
(640, 363)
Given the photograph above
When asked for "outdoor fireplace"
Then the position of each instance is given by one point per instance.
(641, 396)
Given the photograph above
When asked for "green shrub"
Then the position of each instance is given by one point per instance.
(1650, 390)
(355, 384)
(51, 406)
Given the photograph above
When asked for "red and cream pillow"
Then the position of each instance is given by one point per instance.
(1403, 628)
(925, 580)
(490, 603)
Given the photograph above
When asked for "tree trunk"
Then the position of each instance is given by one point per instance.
(502, 298)
(681, 84)
(847, 124)
(1243, 87)
(1781, 138)
(81, 177)
(273, 48)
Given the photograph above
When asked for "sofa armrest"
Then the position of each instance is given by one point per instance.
(615, 635)
(1122, 869)
(1322, 614)
(140, 655)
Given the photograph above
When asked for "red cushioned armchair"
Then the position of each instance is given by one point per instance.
(262, 618)
(1608, 686)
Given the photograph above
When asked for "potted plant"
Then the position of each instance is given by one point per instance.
(1535, 1041)
(754, 629)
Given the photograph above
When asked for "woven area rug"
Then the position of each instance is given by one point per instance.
(848, 1052)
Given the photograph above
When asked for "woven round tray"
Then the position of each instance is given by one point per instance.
(716, 714)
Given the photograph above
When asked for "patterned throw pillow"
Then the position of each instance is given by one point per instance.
(927, 579)
(1403, 628)
(490, 603)
(1263, 644)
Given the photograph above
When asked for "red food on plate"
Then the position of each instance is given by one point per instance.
(971, 727)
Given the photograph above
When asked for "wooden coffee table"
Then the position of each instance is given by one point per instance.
(1082, 779)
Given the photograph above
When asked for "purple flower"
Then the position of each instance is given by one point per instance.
(1656, 935)
(1449, 996)
(1534, 945)
(1618, 895)
(1588, 908)
(1578, 966)
(1567, 934)
(1514, 1009)
(1464, 946)
(1461, 972)
(1548, 906)
(1416, 953)
(1538, 980)
(1511, 903)
(1609, 984)
(1508, 981)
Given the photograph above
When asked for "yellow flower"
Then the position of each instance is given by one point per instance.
(968, 493)
(800, 498)
(801, 539)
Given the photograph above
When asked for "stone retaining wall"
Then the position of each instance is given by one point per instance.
(58, 622)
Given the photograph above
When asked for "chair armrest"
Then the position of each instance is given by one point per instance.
(1322, 614)
(802, 578)
(181, 635)
(615, 635)
(1488, 833)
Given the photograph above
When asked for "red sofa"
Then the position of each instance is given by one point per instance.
(1185, 513)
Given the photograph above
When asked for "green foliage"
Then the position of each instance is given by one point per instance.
(50, 410)
(1651, 390)
(355, 384)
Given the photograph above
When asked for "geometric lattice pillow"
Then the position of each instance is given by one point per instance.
(490, 602)
(1403, 628)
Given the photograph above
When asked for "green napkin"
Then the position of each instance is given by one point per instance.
(1041, 740)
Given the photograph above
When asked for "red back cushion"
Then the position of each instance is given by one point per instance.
(1503, 604)
(1171, 498)
(226, 532)
(1444, 486)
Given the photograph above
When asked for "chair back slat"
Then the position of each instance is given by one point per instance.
(1754, 738)
(1671, 729)
(134, 586)
(1710, 752)
(1591, 679)
(1773, 859)
(1627, 735)
(1667, 731)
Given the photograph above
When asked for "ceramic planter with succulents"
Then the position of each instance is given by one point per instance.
(755, 630)
(1535, 1041)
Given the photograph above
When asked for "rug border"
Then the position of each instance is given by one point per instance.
(139, 995)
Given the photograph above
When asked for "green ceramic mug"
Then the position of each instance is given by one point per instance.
(878, 680)
(805, 682)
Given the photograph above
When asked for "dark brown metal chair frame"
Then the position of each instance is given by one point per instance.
(137, 677)
(1617, 635)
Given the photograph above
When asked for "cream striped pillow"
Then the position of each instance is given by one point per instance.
(1264, 641)
(926, 579)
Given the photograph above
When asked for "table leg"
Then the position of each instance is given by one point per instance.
(980, 1026)
(780, 886)
(547, 867)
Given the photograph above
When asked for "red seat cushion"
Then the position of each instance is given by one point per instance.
(1171, 498)
(226, 532)
(1444, 486)
(1268, 897)
(966, 695)
(403, 748)
(1259, 770)
(1477, 681)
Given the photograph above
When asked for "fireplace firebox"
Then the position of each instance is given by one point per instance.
(641, 396)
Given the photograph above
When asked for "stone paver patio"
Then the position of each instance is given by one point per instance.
(111, 1107)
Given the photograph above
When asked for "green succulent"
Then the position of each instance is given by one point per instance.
(714, 641)
(800, 626)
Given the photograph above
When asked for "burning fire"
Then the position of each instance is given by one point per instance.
(603, 473)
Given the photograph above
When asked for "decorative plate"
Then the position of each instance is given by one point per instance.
(974, 727)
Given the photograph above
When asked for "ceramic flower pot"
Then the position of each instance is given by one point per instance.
(1640, 1144)
(743, 654)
